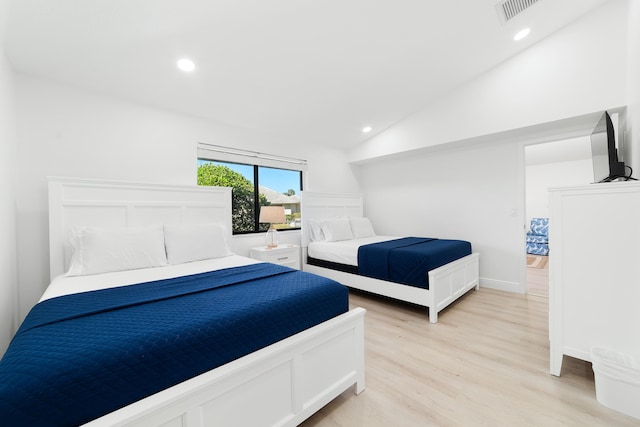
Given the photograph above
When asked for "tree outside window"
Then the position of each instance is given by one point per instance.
(248, 193)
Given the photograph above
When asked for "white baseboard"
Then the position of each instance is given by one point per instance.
(502, 285)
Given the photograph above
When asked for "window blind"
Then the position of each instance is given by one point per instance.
(234, 155)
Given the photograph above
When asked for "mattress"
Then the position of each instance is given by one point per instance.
(400, 260)
(407, 260)
(82, 354)
(65, 285)
(342, 252)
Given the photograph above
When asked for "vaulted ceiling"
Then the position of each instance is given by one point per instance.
(308, 71)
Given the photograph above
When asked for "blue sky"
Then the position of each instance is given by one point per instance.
(279, 180)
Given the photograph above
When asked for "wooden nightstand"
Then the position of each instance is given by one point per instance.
(288, 255)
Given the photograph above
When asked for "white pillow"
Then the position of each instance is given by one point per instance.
(315, 230)
(195, 242)
(361, 227)
(101, 250)
(337, 229)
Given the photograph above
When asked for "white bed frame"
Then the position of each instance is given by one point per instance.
(282, 384)
(446, 283)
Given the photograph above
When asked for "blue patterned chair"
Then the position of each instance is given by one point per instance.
(538, 237)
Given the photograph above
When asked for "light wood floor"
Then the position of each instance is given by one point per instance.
(538, 281)
(486, 363)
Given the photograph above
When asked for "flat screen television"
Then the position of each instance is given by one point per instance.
(606, 166)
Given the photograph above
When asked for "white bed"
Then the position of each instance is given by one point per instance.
(446, 283)
(309, 369)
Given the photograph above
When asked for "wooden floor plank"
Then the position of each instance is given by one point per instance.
(485, 363)
(538, 280)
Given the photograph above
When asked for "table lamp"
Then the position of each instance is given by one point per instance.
(272, 215)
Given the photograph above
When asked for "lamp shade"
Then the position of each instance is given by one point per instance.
(272, 214)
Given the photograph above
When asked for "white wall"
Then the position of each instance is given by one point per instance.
(474, 190)
(469, 194)
(65, 132)
(558, 163)
(578, 70)
(633, 88)
(539, 178)
(8, 142)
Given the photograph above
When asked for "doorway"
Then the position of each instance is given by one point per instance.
(559, 163)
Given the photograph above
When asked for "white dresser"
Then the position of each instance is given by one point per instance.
(288, 255)
(594, 270)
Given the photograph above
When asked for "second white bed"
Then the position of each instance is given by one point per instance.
(446, 283)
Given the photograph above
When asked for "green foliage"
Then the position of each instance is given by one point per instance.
(242, 197)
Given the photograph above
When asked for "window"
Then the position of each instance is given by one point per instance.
(254, 186)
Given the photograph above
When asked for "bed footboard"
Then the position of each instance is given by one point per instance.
(282, 384)
(451, 281)
(446, 283)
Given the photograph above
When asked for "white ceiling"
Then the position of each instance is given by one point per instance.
(310, 71)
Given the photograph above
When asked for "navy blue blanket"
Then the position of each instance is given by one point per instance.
(78, 357)
(408, 260)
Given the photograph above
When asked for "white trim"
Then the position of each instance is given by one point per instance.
(503, 285)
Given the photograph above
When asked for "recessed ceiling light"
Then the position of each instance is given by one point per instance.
(186, 65)
(366, 129)
(522, 34)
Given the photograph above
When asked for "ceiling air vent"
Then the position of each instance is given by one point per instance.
(509, 9)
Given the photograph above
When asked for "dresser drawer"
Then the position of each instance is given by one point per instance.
(282, 255)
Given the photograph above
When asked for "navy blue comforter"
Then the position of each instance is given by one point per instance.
(78, 357)
(407, 260)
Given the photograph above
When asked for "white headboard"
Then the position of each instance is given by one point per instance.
(126, 204)
(327, 205)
